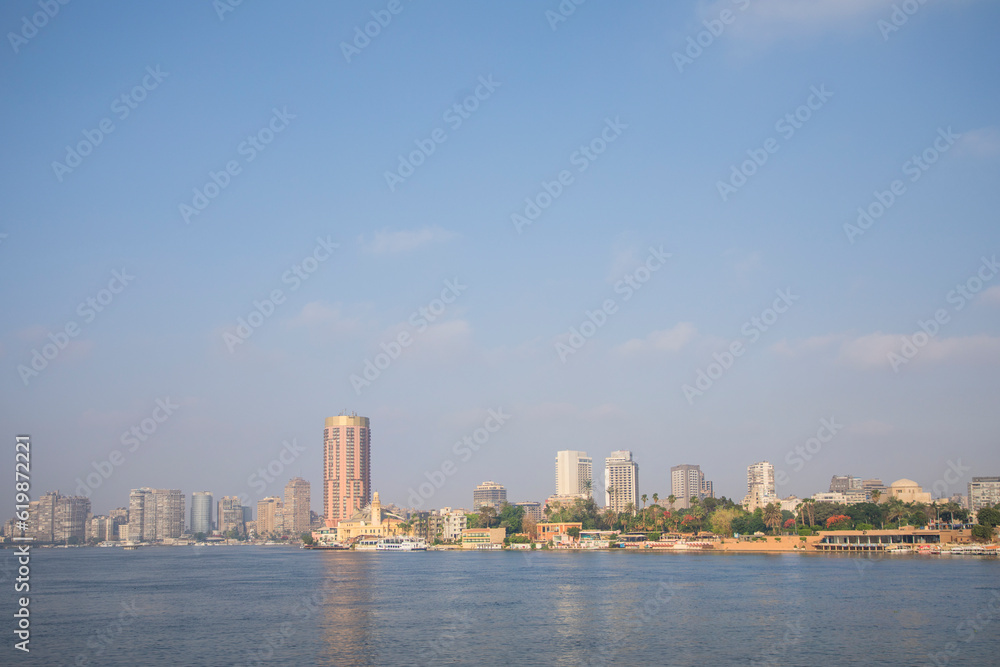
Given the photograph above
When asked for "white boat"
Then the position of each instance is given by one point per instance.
(367, 544)
(401, 543)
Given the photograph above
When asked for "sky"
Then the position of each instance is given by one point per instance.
(710, 233)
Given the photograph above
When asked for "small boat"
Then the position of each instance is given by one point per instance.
(333, 546)
(366, 544)
(401, 543)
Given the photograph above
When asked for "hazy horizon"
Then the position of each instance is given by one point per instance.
(615, 236)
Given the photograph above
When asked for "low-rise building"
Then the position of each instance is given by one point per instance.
(908, 491)
(483, 538)
(371, 521)
(452, 525)
(984, 492)
(557, 533)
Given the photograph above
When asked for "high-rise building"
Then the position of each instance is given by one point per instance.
(155, 514)
(760, 486)
(489, 493)
(169, 513)
(621, 481)
(117, 518)
(574, 474)
(231, 515)
(532, 508)
(268, 512)
(201, 512)
(42, 517)
(71, 518)
(141, 515)
(347, 471)
(687, 481)
(845, 483)
(983, 491)
(297, 502)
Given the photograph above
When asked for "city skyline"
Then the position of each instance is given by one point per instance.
(409, 289)
(760, 488)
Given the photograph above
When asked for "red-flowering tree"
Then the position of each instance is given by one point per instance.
(838, 521)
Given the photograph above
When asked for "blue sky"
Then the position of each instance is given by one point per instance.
(345, 122)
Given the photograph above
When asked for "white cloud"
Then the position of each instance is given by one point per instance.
(388, 242)
(991, 296)
(806, 346)
(320, 316)
(981, 142)
(871, 351)
(664, 340)
(623, 262)
(768, 20)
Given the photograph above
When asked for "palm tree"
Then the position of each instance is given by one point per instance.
(809, 507)
(671, 499)
(876, 494)
(643, 497)
(698, 512)
(772, 516)
(588, 486)
(894, 511)
(656, 498)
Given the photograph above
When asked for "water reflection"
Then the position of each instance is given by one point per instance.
(347, 623)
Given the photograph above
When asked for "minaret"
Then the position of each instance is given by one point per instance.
(376, 511)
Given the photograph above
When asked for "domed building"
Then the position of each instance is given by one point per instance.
(370, 521)
(908, 491)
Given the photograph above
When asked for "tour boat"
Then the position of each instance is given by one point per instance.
(367, 544)
(400, 543)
